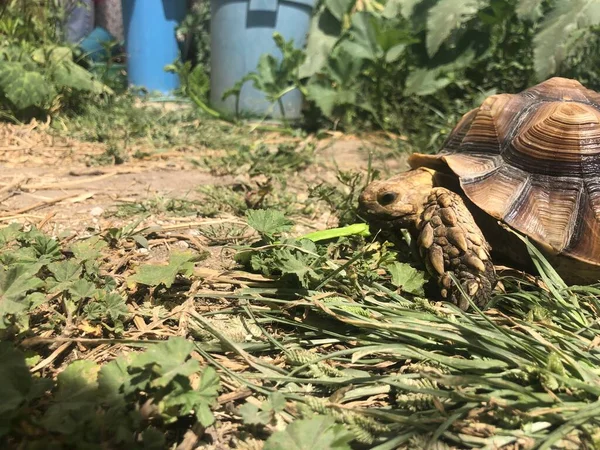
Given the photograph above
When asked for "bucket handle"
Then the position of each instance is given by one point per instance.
(263, 5)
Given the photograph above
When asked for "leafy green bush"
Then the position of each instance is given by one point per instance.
(37, 75)
(42, 80)
(385, 61)
(122, 404)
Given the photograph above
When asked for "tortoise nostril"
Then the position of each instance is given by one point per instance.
(386, 198)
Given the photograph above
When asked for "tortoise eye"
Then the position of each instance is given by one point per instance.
(386, 198)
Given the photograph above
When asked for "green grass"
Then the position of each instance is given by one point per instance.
(338, 333)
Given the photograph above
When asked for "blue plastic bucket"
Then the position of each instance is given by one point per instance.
(151, 43)
(241, 31)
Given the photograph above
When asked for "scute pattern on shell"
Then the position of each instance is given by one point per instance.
(532, 160)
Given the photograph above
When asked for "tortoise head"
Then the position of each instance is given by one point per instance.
(397, 201)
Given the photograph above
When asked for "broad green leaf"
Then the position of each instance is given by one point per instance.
(15, 379)
(67, 74)
(407, 278)
(339, 7)
(46, 246)
(529, 9)
(115, 306)
(29, 89)
(363, 38)
(89, 249)
(425, 82)
(75, 400)
(320, 432)
(344, 67)
(252, 414)
(65, 274)
(52, 54)
(551, 42)
(153, 275)
(322, 37)
(81, 289)
(394, 8)
(17, 281)
(199, 400)
(268, 221)
(9, 233)
(326, 97)
(113, 381)
(167, 360)
(9, 71)
(445, 17)
(15, 284)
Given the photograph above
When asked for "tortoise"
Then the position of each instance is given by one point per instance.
(528, 161)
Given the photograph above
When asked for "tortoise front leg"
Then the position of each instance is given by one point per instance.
(451, 242)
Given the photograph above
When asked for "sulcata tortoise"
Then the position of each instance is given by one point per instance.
(530, 161)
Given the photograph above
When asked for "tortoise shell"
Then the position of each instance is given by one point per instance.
(532, 160)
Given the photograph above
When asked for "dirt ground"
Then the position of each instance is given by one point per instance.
(47, 180)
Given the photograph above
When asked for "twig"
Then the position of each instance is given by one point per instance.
(45, 362)
(39, 205)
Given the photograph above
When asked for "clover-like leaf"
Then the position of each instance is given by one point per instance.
(407, 278)
(154, 275)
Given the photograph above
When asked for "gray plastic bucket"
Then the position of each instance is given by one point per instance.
(241, 31)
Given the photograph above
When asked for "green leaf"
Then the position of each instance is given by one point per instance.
(339, 7)
(113, 381)
(81, 289)
(324, 32)
(67, 74)
(253, 415)
(407, 278)
(15, 379)
(29, 89)
(425, 82)
(167, 360)
(393, 8)
(268, 222)
(115, 306)
(52, 55)
(552, 41)
(15, 284)
(327, 97)
(89, 249)
(529, 9)
(65, 274)
(446, 16)
(154, 275)
(75, 401)
(320, 432)
(9, 233)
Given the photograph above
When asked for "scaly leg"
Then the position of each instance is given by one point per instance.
(451, 242)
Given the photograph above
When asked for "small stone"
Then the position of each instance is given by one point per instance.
(182, 244)
(96, 211)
